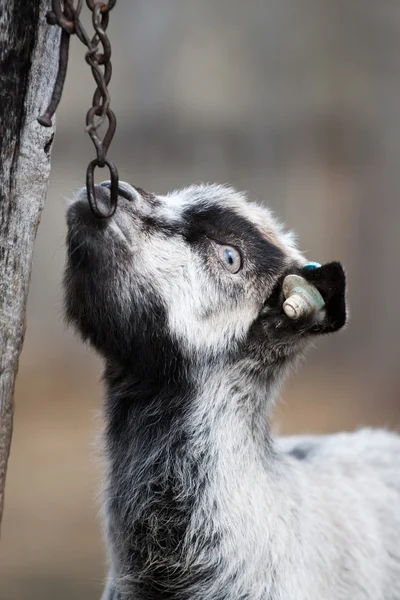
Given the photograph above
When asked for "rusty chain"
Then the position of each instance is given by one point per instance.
(98, 56)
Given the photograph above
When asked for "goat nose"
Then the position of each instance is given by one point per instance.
(124, 189)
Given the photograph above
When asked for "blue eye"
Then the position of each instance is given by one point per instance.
(229, 257)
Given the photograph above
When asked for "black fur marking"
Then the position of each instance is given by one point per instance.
(146, 414)
(166, 227)
(146, 418)
(226, 226)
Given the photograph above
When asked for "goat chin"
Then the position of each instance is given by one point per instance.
(182, 295)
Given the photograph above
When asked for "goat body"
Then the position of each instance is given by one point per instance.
(182, 296)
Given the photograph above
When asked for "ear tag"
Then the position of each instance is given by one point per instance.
(302, 298)
(312, 265)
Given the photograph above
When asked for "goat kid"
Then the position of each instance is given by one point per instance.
(182, 297)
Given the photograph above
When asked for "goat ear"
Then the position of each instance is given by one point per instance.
(330, 280)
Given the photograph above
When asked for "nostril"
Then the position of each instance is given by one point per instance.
(124, 190)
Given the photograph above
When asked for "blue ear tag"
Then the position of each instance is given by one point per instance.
(312, 265)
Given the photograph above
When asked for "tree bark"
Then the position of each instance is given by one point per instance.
(28, 65)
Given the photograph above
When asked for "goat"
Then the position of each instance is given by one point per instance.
(182, 297)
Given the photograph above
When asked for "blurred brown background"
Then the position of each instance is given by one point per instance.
(296, 101)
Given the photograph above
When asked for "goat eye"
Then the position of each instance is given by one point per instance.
(230, 257)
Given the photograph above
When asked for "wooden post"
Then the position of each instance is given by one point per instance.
(28, 65)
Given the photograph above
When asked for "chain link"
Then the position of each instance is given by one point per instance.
(98, 56)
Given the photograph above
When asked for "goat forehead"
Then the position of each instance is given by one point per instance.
(205, 197)
(212, 204)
